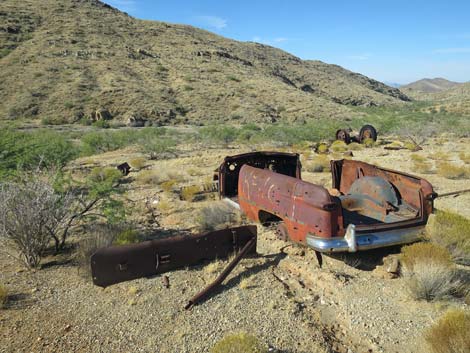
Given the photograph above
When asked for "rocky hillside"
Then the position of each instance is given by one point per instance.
(429, 85)
(62, 60)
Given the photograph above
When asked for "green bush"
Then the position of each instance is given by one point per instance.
(450, 333)
(103, 124)
(128, 236)
(30, 150)
(239, 343)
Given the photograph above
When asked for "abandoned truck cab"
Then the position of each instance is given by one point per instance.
(368, 206)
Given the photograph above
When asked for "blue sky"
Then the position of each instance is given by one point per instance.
(393, 41)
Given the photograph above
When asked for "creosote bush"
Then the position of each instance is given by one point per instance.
(188, 192)
(450, 333)
(239, 343)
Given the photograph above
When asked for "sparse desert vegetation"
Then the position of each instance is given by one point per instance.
(239, 342)
(450, 333)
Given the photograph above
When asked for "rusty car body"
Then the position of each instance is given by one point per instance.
(368, 206)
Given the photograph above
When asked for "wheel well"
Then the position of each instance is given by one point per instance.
(266, 218)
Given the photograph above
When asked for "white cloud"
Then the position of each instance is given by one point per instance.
(452, 51)
(212, 21)
(124, 5)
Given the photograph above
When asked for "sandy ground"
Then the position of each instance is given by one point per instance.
(349, 305)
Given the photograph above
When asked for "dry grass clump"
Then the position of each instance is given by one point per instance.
(452, 171)
(188, 192)
(3, 296)
(339, 146)
(440, 156)
(417, 158)
(149, 177)
(168, 185)
(368, 143)
(246, 283)
(421, 164)
(99, 236)
(217, 216)
(464, 157)
(138, 163)
(430, 272)
(451, 231)
(320, 163)
(164, 206)
(354, 146)
(213, 267)
(239, 343)
(450, 334)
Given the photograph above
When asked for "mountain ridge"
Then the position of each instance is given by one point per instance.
(64, 60)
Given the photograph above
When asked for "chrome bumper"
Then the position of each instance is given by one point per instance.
(352, 242)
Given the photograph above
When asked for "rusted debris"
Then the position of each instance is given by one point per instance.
(166, 282)
(371, 207)
(452, 193)
(116, 264)
(366, 132)
(210, 288)
(124, 168)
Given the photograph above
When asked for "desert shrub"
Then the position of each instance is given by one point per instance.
(218, 133)
(24, 151)
(138, 163)
(149, 139)
(102, 124)
(188, 192)
(452, 171)
(430, 272)
(99, 174)
(217, 216)
(239, 343)
(97, 236)
(320, 163)
(322, 148)
(339, 146)
(26, 214)
(3, 296)
(151, 177)
(168, 185)
(368, 143)
(464, 157)
(417, 158)
(450, 333)
(127, 236)
(423, 252)
(451, 231)
(424, 167)
(354, 146)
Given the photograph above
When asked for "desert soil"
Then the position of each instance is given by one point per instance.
(351, 304)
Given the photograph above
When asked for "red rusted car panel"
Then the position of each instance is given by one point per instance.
(372, 207)
(116, 264)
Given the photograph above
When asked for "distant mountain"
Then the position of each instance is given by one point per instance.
(65, 59)
(429, 85)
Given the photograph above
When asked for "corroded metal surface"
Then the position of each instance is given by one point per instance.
(116, 264)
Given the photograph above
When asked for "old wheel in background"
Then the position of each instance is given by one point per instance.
(343, 135)
(367, 132)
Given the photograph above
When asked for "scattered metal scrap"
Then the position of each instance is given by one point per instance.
(366, 132)
(124, 168)
(116, 264)
(213, 286)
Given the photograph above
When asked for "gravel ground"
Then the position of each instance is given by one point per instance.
(282, 296)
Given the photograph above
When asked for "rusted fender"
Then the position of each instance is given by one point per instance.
(116, 264)
(304, 207)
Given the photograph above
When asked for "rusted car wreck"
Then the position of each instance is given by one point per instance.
(368, 207)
